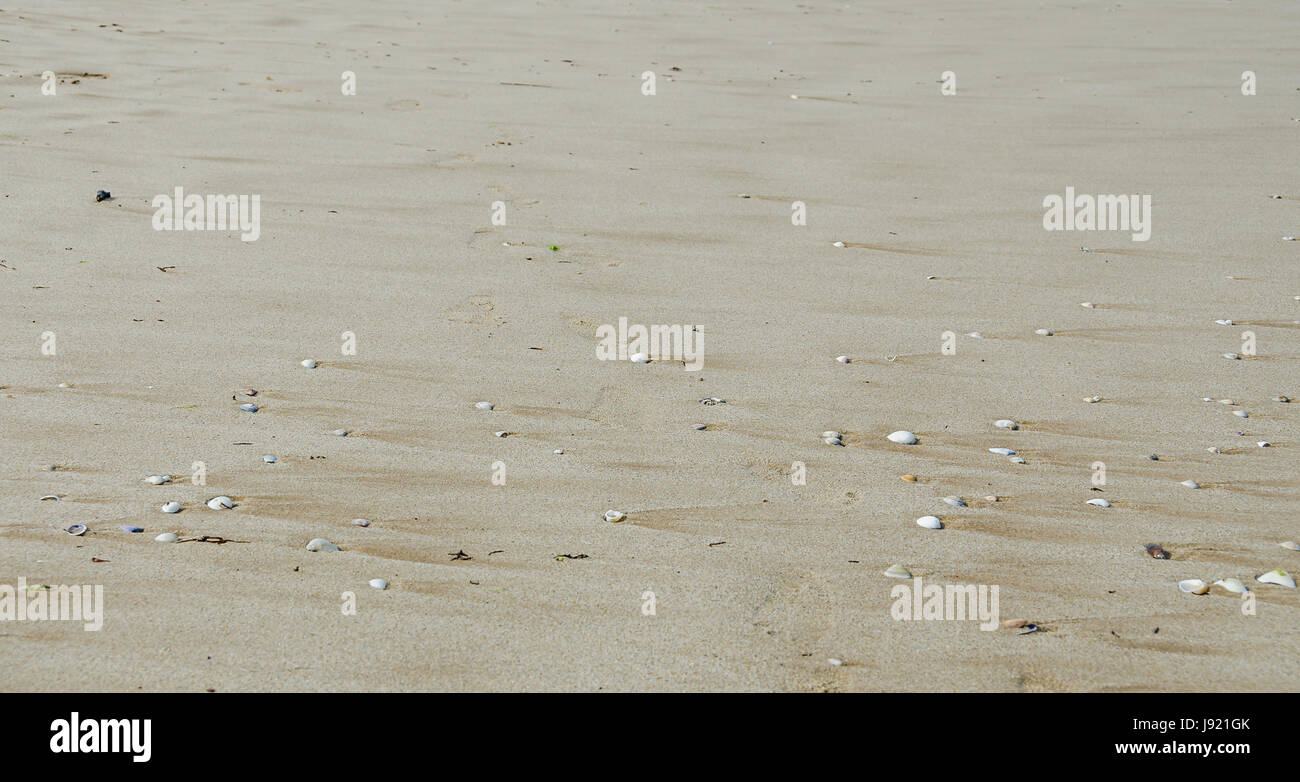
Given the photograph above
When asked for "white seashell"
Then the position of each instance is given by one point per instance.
(221, 503)
(975, 335)
(378, 583)
(930, 522)
(1092, 399)
(955, 501)
(269, 459)
(1206, 399)
(167, 537)
(833, 441)
(1213, 449)
(1191, 484)
(248, 408)
(1224, 322)
(1233, 356)
(1227, 402)
(1233, 585)
(483, 405)
(558, 450)
(615, 515)
(1088, 305)
(834, 434)
(340, 432)
(54, 497)
(713, 400)
(1006, 423)
(833, 244)
(1194, 585)
(158, 480)
(1279, 577)
(1281, 398)
(1099, 502)
(1241, 413)
(1002, 451)
(843, 359)
(1263, 444)
(172, 507)
(903, 437)
(309, 363)
(1016, 459)
(640, 358)
(360, 523)
(1043, 332)
(898, 571)
(500, 434)
(321, 544)
(1291, 544)
(834, 661)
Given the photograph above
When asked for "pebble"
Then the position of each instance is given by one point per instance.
(1006, 423)
(991, 498)
(76, 529)
(172, 507)
(484, 405)
(129, 528)
(1002, 451)
(834, 661)
(167, 537)
(221, 503)
(615, 516)
(321, 544)
(903, 437)
(360, 523)
(248, 408)
(378, 583)
(1156, 552)
(249, 392)
(700, 427)
(898, 571)
(1191, 484)
(1099, 502)
(158, 480)
(930, 522)
(269, 459)
(1043, 332)
(102, 195)
(309, 363)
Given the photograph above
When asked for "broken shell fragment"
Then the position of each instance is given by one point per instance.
(1233, 356)
(1099, 502)
(129, 528)
(1194, 586)
(930, 522)
(269, 459)
(308, 363)
(221, 503)
(955, 501)
(903, 437)
(1232, 585)
(909, 478)
(158, 480)
(340, 432)
(1281, 398)
(1092, 399)
(172, 507)
(484, 405)
(1279, 577)
(248, 408)
(843, 359)
(1291, 544)
(1016, 459)
(1029, 628)
(378, 583)
(360, 523)
(1006, 423)
(1156, 552)
(640, 358)
(898, 571)
(615, 516)
(713, 400)
(1002, 451)
(76, 529)
(1191, 484)
(321, 544)
(1043, 332)
(167, 537)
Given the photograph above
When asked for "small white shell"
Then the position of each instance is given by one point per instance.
(167, 537)
(1279, 577)
(833, 244)
(1194, 585)
(1224, 322)
(1087, 305)
(1092, 399)
(309, 363)
(898, 571)
(1214, 449)
(378, 583)
(833, 434)
(1232, 585)
(501, 433)
(1099, 502)
(340, 432)
(930, 522)
(1241, 413)
(975, 335)
(955, 501)
(1006, 423)
(1291, 544)
(483, 405)
(1191, 484)
(639, 358)
(248, 407)
(1016, 459)
(903, 437)
(1264, 444)
(833, 441)
(1043, 332)
(1233, 356)
(158, 480)
(1002, 451)
(843, 359)
(360, 523)
(615, 515)
(269, 459)
(172, 507)
(221, 503)
(321, 544)
(558, 451)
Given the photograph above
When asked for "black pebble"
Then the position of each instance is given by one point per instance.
(102, 195)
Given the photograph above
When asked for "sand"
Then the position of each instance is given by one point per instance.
(376, 219)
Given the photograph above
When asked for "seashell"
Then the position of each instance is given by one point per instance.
(54, 497)
(1156, 552)
(341, 432)
(1191, 484)
(158, 480)
(248, 408)
(221, 503)
(167, 537)
(269, 459)
(172, 507)
(1291, 544)
(1002, 451)
(712, 400)
(975, 335)
(76, 529)
(955, 501)
(615, 516)
(1227, 402)
(129, 528)
(378, 583)
(1279, 577)
(991, 498)
(558, 450)
(843, 359)
(639, 358)
(930, 522)
(833, 244)
(834, 661)
(902, 437)
(835, 435)
(1016, 459)
(1006, 423)
(833, 441)
(1281, 398)
(249, 392)
(1224, 322)
(1015, 623)
(360, 523)
(321, 544)
(501, 434)
(1206, 399)
(1264, 444)
(309, 363)
(700, 427)
(64, 385)
(1029, 628)
(1043, 332)
(1099, 502)
(484, 405)
(1092, 399)
(898, 571)
(909, 478)
(1088, 305)
(1241, 413)
(1233, 585)
(1194, 586)
(1213, 449)
(1233, 356)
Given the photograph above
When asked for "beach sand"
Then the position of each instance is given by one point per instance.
(376, 219)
